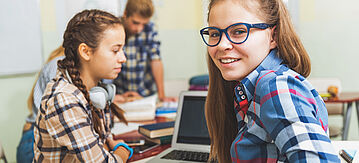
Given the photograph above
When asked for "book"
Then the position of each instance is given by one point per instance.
(140, 115)
(157, 129)
(121, 128)
(160, 140)
(167, 110)
(167, 107)
(167, 116)
(141, 109)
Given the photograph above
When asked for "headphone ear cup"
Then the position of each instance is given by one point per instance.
(111, 90)
(98, 97)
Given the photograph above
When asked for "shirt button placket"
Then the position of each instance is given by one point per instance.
(240, 92)
(243, 97)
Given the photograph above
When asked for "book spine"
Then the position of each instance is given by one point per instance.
(166, 140)
(161, 140)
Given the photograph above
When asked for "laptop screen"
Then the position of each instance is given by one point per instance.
(193, 128)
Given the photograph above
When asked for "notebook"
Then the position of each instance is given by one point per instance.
(190, 141)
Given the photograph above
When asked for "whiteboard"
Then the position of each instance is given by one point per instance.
(20, 37)
(66, 9)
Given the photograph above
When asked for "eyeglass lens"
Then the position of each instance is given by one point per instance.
(237, 34)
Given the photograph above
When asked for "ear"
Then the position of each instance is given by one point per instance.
(84, 52)
(273, 43)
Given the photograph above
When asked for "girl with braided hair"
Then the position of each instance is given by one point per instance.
(69, 126)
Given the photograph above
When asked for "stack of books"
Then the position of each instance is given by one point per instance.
(140, 110)
(167, 110)
(160, 133)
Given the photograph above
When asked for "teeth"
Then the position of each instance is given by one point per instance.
(228, 60)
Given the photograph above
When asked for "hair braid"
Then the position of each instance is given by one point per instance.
(87, 27)
(77, 81)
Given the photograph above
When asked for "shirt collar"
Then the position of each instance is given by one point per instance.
(271, 62)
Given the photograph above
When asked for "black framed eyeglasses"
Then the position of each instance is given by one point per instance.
(236, 33)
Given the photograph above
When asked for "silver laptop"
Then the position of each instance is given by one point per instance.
(190, 142)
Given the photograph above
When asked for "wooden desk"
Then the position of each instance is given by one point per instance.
(346, 98)
(338, 145)
(139, 157)
(134, 134)
(144, 160)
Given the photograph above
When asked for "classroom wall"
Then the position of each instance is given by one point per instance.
(13, 110)
(328, 30)
(178, 23)
(182, 50)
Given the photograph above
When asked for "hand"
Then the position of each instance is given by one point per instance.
(120, 151)
(119, 99)
(131, 96)
(112, 143)
(168, 99)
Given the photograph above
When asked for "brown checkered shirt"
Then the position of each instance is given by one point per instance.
(64, 130)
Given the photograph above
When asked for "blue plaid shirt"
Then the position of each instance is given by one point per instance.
(281, 117)
(136, 74)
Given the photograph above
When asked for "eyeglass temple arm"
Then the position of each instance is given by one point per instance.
(262, 25)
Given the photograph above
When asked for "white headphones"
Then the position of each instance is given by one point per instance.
(100, 95)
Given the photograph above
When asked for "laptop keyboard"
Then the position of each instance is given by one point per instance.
(187, 156)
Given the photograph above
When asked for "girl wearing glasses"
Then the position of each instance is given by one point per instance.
(260, 107)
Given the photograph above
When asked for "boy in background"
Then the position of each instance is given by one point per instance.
(142, 74)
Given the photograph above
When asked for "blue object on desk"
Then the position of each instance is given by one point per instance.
(167, 107)
(199, 83)
(350, 152)
(158, 112)
(199, 80)
(164, 110)
(347, 154)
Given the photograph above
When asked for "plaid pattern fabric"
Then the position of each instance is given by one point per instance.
(281, 117)
(47, 73)
(136, 73)
(63, 131)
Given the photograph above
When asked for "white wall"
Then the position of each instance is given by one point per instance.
(182, 49)
(329, 31)
(13, 110)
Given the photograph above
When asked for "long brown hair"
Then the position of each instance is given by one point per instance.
(54, 54)
(220, 115)
(87, 27)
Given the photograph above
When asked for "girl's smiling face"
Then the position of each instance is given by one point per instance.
(236, 61)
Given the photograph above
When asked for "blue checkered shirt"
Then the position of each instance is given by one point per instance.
(281, 117)
(136, 74)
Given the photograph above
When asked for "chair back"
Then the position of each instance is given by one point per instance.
(2, 153)
(321, 85)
